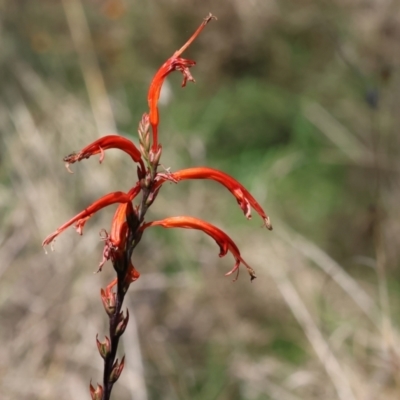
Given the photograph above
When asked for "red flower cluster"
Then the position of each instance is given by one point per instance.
(128, 223)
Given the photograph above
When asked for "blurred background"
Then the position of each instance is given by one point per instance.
(297, 99)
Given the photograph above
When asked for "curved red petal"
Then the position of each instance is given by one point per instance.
(174, 63)
(105, 143)
(81, 218)
(243, 196)
(224, 242)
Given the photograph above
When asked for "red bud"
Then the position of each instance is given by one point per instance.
(116, 370)
(104, 347)
(97, 393)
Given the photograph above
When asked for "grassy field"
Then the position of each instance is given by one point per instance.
(298, 100)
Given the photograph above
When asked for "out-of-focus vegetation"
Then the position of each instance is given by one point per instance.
(299, 100)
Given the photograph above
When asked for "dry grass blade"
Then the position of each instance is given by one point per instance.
(334, 270)
(80, 32)
(332, 366)
(337, 133)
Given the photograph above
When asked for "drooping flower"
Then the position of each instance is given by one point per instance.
(150, 182)
(114, 243)
(104, 143)
(174, 63)
(243, 196)
(81, 218)
(224, 242)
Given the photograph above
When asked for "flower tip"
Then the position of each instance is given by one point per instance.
(267, 223)
(210, 17)
(49, 240)
(68, 168)
(251, 272)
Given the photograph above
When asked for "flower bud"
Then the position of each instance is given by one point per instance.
(144, 151)
(152, 196)
(155, 156)
(104, 347)
(116, 370)
(145, 183)
(144, 125)
(97, 393)
(108, 298)
(122, 323)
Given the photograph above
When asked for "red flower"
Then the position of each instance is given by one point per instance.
(104, 143)
(224, 242)
(116, 247)
(115, 242)
(243, 196)
(174, 63)
(81, 218)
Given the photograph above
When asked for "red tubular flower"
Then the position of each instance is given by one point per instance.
(81, 218)
(104, 143)
(243, 196)
(114, 246)
(224, 242)
(174, 63)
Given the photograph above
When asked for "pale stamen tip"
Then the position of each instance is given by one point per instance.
(102, 155)
(68, 168)
(267, 223)
(210, 17)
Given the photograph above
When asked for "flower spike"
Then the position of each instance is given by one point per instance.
(104, 143)
(224, 242)
(174, 63)
(243, 196)
(128, 223)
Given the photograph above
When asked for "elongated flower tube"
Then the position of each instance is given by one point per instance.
(81, 218)
(243, 196)
(115, 242)
(104, 143)
(224, 242)
(174, 63)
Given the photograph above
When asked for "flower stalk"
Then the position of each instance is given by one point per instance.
(128, 224)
